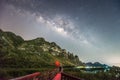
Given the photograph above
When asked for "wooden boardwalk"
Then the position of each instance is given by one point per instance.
(37, 76)
(56, 74)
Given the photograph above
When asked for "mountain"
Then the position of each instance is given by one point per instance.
(17, 52)
(95, 64)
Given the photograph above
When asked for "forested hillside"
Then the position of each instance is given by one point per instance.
(17, 52)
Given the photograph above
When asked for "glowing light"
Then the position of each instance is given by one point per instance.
(57, 63)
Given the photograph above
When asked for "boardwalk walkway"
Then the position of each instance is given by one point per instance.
(56, 74)
(37, 76)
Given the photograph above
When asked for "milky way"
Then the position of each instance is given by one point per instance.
(88, 28)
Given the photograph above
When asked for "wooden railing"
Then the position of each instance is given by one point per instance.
(48, 76)
(69, 77)
(33, 76)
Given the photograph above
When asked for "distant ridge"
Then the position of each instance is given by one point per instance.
(95, 64)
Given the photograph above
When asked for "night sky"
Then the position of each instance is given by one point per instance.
(88, 28)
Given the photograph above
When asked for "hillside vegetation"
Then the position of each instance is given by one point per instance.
(15, 52)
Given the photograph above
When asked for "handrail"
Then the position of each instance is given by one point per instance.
(50, 76)
(28, 77)
(57, 77)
